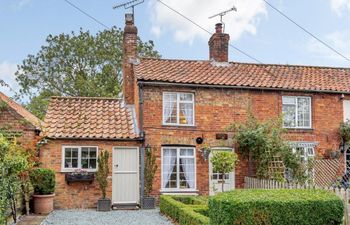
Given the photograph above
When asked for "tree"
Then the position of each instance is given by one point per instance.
(73, 64)
(223, 162)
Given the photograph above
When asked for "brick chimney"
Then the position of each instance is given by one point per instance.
(129, 57)
(218, 45)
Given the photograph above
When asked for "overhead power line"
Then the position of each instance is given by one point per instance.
(307, 31)
(86, 14)
(207, 31)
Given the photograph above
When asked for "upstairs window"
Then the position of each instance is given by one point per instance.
(296, 112)
(178, 108)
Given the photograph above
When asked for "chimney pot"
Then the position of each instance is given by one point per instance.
(218, 28)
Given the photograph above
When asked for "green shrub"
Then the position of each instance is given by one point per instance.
(192, 200)
(182, 213)
(43, 181)
(276, 207)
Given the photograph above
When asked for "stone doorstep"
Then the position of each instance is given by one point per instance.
(32, 219)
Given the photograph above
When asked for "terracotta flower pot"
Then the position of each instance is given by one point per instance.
(43, 204)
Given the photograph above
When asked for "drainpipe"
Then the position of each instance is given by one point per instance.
(142, 150)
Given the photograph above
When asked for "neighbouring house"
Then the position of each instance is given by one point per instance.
(176, 107)
(19, 123)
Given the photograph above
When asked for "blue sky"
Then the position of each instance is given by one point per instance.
(254, 28)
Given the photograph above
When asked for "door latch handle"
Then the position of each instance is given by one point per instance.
(116, 165)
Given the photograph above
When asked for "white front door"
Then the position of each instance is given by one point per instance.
(125, 187)
(215, 179)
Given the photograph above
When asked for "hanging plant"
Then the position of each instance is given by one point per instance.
(205, 150)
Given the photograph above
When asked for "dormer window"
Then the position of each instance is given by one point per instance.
(296, 112)
(178, 108)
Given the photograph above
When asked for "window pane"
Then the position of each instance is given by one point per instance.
(170, 112)
(85, 163)
(186, 113)
(186, 152)
(187, 172)
(84, 152)
(288, 100)
(304, 112)
(92, 164)
(170, 97)
(93, 152)
(169, 168)
(75, 152)
(68, 152)
(74, 163)
(186, 97)
(288, 115)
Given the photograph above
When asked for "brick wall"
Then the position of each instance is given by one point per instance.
(13, 122)
(76, 195)
(215, 109)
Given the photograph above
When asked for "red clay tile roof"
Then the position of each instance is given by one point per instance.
(307, 78)
(90, 118)
(21, 111)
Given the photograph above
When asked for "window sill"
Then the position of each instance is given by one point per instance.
(179, 192)
(299, 130)
(75, 170)
(179, 126)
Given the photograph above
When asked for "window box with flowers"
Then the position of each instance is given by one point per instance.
(79, 176)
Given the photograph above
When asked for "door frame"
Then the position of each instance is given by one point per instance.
(211, 192)
(138, 172)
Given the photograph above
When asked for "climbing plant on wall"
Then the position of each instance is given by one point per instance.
(262, 143)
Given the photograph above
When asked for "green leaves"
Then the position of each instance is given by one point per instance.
(76, 64)
(150, 170)
(344, 131)
(103, 171)
(43, 181)
(223, 161)
(276, 207)
(261, 142)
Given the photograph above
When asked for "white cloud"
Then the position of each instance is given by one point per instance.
(7, 74)
(246, 19)
(340, 6)
(339, 40)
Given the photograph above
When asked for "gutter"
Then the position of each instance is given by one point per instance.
(96, 139)
(160, 83)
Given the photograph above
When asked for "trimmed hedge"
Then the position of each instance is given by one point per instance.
(276, 207)
(184, 214)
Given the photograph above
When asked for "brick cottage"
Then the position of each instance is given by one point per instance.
(175, 107)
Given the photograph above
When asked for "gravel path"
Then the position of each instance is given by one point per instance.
(92, 217)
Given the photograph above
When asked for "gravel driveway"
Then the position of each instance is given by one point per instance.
(92, 217)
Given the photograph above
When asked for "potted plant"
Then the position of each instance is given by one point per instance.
(43, 182)
(103, 204)
(148, 202)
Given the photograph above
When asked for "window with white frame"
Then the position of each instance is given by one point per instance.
(296, 112)
(178, 108)
(305, 153)
(83, 157)
(178, 168)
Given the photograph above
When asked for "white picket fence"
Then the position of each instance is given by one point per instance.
(255, 183)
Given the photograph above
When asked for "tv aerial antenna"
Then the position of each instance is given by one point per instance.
(222, 14)
(130, 4)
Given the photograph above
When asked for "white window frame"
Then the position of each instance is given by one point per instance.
(163, 189)
(178, 109)
(64, 169)
(296, 112)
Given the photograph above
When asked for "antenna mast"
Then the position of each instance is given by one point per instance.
(130, 4)
(221, 14)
